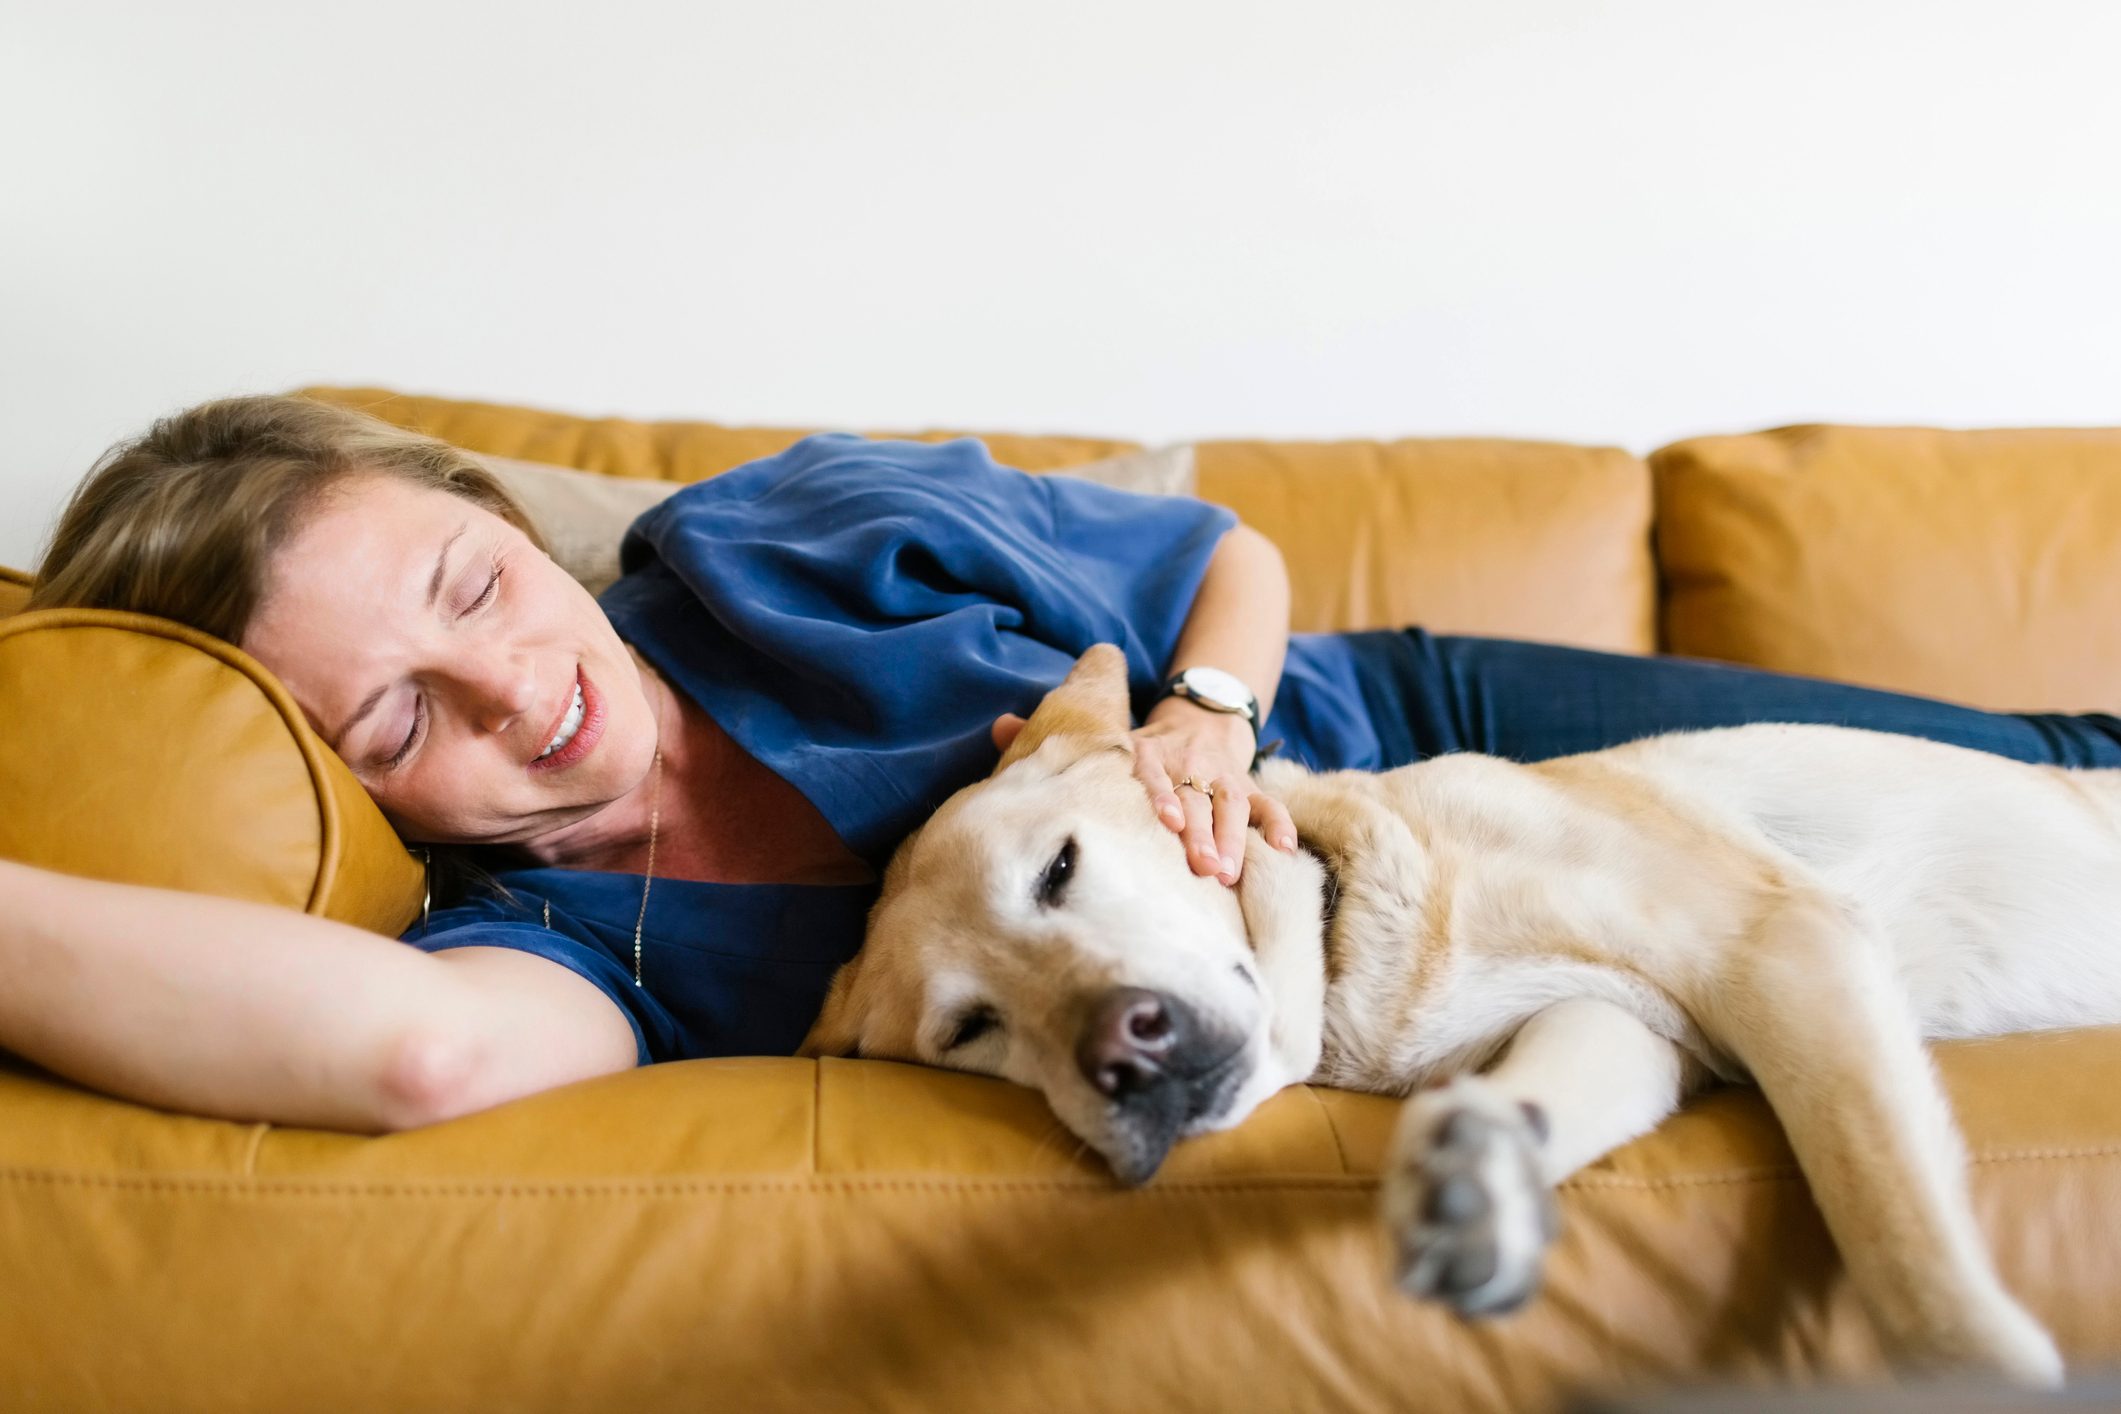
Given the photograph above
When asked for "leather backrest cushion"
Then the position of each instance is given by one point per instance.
(14, 590)
(142, 751)
(664, 451)
(1977, 566)
(1516, 539)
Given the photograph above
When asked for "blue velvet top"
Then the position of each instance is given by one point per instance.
(855, 614)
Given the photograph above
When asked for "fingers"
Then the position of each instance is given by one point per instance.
(1216, 821)
(1233, 810)
(1273, 820)
(1149, 770)
(1210, 813)
(1199, 835)
(1239, 803)
(1188, 810)
(1006, 729)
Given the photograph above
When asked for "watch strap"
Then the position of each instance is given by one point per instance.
(1174, 686)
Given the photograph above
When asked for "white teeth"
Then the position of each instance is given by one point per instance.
(569, 724)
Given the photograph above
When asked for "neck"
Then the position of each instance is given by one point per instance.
(725, 817)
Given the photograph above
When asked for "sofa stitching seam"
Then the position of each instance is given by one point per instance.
(231, 1185)
(253, 1186)
(1786, 1172)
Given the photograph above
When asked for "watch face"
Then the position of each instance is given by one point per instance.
(1218, 687)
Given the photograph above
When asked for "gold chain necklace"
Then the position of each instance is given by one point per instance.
(655, 825)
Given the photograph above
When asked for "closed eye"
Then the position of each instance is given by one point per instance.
(971, 1026)
(1058, 873)
(493, 582)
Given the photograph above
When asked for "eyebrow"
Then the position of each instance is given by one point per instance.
(434, 591)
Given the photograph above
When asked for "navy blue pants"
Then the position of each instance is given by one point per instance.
(1531, 701)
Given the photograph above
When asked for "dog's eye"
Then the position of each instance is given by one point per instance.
(1057, 874)
(971, 1026)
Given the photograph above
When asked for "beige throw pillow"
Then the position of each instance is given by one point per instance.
(1153, 471)
(583, 516)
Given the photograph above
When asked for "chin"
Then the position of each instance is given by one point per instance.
(1248, 1088)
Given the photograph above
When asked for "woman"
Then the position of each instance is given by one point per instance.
(686, 790)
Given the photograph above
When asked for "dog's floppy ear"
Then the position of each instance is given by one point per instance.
(837, 1030)
(1090, 703)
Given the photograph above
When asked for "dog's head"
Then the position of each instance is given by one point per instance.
(1044, 927)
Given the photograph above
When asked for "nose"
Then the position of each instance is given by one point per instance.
(499, 691)
(1125, 1040)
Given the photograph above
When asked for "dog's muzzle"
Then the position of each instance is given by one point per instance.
(1159, 1067)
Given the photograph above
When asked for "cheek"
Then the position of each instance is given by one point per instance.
(1184, 936)
(424, 808)
(1020, 1067)
(458, 785)
(1151, 906)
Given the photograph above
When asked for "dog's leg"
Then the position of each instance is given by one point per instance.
(1811, 1006)
(1280, 895)
(1468, 1192)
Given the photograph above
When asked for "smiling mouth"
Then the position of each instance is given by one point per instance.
(570, 723)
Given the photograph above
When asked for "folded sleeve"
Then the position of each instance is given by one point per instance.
(858, 612)
(655, 1032)
(840, 540)
(1143, 556)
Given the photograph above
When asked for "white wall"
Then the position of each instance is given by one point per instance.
(1622, 222)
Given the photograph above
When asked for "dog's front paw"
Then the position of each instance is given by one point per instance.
(1465, 1205)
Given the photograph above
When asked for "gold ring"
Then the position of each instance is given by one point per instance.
(1206, 790)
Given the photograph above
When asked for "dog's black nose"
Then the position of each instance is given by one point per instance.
(1125, 1040)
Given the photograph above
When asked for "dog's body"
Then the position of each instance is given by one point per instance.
(1797, 906)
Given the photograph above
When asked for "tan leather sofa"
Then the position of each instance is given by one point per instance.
(774, 1234)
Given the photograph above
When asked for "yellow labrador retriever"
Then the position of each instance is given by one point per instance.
(1562, 951)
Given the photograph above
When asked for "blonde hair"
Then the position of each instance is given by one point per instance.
(183, 523)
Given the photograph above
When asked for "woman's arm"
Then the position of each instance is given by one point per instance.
(1239, 622)
(245, 1011)
(1240, 618)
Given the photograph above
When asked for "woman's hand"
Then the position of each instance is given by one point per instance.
(1216, 752)
(1181, 743)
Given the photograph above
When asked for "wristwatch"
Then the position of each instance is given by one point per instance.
(1217, 691)
(1222, 692)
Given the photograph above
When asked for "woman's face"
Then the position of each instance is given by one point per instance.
(439, 652)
